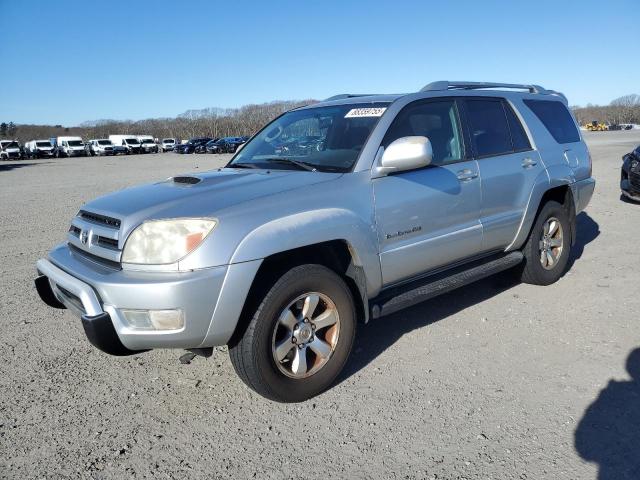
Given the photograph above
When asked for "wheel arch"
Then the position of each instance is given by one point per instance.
(338, 255)
(559, 191)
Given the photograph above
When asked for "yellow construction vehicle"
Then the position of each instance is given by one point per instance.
(596, 126)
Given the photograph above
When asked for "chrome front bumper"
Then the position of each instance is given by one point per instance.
(211, 299)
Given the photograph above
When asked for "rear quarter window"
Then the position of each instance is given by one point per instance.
(556, 118)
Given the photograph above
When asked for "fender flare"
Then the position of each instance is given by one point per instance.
(552, 177)
(312, 227)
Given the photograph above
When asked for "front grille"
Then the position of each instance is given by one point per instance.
(99, 219)
(95, 258)
(634, 179)
(107, 243)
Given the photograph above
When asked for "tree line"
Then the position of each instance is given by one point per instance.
(208, 122)
(624, 109)
(246, 120)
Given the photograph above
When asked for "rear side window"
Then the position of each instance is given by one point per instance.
(556, 118)
(488, 124)
(518, 135)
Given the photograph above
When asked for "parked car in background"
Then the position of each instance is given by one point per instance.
(68, 146)
(207, 146)
(99, 146)
(630, 175)
(168, 144)
(38, 149)
(191, 145)
(202, 148)
(129, 142)
(10, 150)
(148, 144)
(226, 145)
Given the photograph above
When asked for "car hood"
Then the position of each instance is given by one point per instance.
(213, 192)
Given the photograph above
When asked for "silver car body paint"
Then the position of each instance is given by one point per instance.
(396, 226)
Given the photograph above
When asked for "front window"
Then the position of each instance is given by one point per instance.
(147, 140)
(324, 138)
(12, 145)
(43, 144)
(168, 140)
(74, 143)
(104, 142)
(131, 141)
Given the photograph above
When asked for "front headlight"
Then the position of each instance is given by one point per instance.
(160, 242)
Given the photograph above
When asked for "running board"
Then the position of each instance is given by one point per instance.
(417, 291)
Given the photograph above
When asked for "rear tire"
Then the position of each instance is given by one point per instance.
(290, 350)
(548, 247)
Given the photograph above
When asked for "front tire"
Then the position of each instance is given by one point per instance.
(547, 250)
(299, 337)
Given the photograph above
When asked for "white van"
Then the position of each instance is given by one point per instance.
(10, 149)
(130, 142)
(68, 146)
(39, 149)
(168, 144)
(148, 144)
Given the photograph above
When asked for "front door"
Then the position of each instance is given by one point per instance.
(428, 218)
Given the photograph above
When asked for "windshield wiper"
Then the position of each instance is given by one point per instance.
(303, 165)
(243, 165)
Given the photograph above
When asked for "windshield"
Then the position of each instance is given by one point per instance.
(43, 144)
(168, 140)
(132, 141)
(147, 140)
(12, 145)
(74, 143)
(104, 142)
(326, 138)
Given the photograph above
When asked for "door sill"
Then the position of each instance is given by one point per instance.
(396, 298)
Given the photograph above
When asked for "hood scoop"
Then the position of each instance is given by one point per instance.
(186, 180)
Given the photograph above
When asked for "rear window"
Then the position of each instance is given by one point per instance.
(556, 118)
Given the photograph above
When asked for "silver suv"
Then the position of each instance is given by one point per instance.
(334, 213)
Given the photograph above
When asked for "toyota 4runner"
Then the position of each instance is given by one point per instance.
(334, 213)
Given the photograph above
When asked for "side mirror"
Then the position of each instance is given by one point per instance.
(406, 153)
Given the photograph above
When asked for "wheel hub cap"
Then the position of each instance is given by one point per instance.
(305, 335)
(551, 243)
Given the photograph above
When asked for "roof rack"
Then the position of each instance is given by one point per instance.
(446, 85)
(342, 96)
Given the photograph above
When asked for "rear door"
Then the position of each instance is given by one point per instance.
(508, 167)
(428, 218)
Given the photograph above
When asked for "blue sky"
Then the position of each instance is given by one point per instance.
(70, 61)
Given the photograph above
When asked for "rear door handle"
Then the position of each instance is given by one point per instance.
(528, 163)
(466, 175)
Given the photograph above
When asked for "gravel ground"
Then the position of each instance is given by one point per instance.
(492, 381)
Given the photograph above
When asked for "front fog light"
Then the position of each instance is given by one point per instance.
(154, 319)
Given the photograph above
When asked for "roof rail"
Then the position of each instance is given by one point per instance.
(347, 95)
(446, 85)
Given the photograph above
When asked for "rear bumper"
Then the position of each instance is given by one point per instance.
(211, 300)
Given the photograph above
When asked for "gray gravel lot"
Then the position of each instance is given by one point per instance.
(491, 381)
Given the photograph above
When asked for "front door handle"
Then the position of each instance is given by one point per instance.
(528, 163)
(466, 175)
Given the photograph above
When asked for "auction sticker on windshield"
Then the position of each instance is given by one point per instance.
(365, 112)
